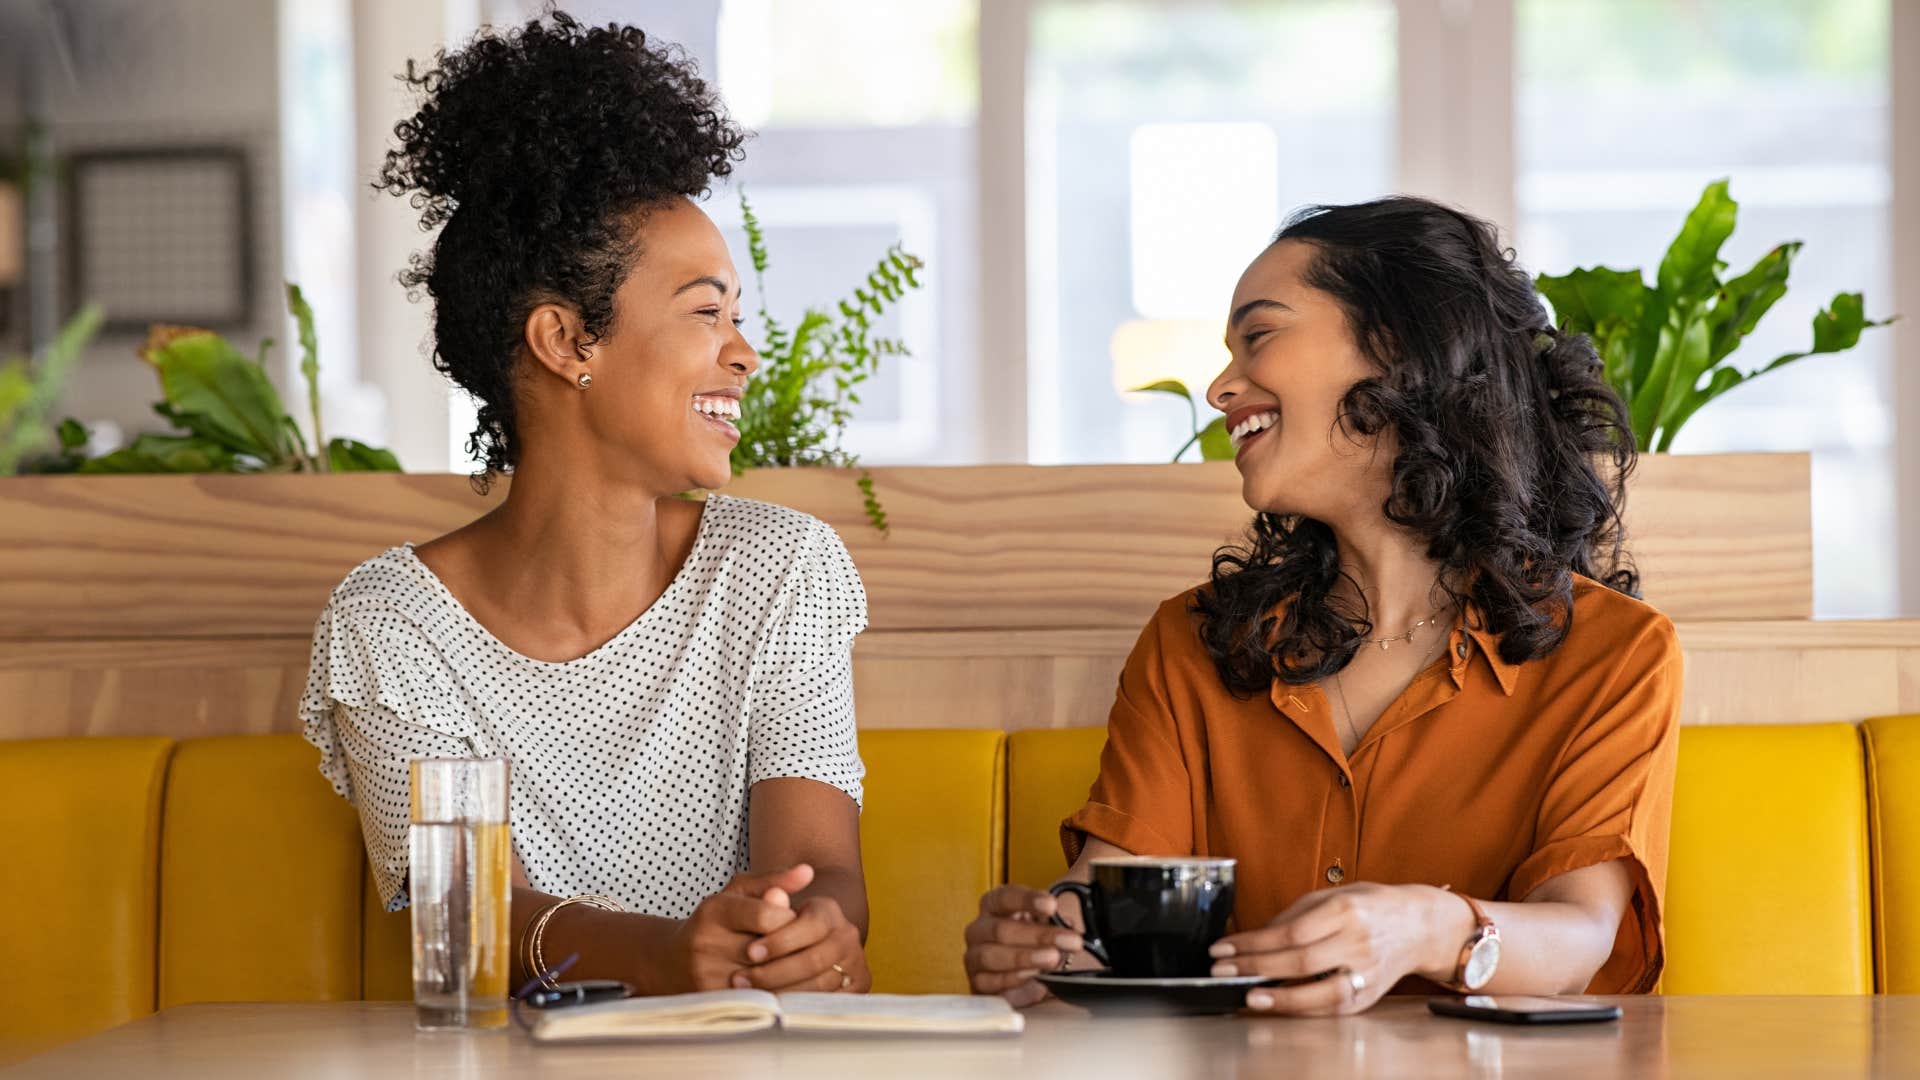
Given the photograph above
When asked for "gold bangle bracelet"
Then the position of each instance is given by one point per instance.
(536, 937)
(523, 947)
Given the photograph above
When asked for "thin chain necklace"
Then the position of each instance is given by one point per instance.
(1406, 638)
(1340, 689)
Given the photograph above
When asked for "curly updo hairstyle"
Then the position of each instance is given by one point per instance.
(537, 152)
(1512, 462)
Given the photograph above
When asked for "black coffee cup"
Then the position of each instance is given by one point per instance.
(1152, 917)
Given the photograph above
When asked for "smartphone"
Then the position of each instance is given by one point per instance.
(1506, 1009)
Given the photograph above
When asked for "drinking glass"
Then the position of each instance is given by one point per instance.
(459, 882)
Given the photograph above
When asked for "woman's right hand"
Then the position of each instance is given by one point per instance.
(710, 945)
(1014, 940)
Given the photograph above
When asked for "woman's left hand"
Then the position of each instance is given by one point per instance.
(803, 954)
(1363, 937)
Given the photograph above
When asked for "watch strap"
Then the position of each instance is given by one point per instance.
(1483, 927)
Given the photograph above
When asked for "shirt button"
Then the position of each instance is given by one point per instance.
(1344, 782)
(1460, 650)
(1335, 875)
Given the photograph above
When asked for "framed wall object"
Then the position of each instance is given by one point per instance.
(161, 234)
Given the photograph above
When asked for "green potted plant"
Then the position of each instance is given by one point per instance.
(229, 416)
(1667, 347)
(796, 406)
(29, 390)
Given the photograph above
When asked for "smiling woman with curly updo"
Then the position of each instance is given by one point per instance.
(1420, 704)
(670, 679)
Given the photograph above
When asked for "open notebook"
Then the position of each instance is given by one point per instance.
(736, 1012)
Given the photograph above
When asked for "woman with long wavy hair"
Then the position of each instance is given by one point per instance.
(1420, 704)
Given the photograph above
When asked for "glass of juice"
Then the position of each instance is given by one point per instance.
(459, 885)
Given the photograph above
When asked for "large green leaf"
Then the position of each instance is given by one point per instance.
(29, 390)
(16, 388)
(1744, 300)
(1614, 340)
(203, 374)
(1723, 380)
(1585, 298)
(72, 434)
(1836, 327)
(1606, 305)
(1164, 386)
(1690, 270)
(165, 454)
(347, 455)
(309, 356)
(1677, 366)
(1215, 443)
(1687, 280)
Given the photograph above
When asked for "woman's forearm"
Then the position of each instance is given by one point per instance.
(632, 948)
(846, 887)
(1546, 947)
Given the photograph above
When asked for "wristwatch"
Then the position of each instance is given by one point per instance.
(1480, 955)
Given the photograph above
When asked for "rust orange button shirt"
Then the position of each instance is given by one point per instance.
(1487, 776)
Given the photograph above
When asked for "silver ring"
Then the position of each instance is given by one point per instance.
(1356, 983)
(846, 980)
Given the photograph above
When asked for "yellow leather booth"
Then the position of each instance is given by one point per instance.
(1893, 771)
(146, 872)
(81, 819)
(259, 876)
(1768, 888)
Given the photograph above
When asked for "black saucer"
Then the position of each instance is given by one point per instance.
(1105, 992)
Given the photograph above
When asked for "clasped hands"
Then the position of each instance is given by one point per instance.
(751, 934)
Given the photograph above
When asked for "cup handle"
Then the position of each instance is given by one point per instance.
(1090, 937)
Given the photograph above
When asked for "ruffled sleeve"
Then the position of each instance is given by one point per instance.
(801, 708)
(378, 696)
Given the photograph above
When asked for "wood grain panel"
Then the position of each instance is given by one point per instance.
(1737, 673)
(1003, 547)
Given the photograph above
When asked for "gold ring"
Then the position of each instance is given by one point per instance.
(846, 980)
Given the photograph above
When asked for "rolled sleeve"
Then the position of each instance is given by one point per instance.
(1611, 798)
(1142, 800)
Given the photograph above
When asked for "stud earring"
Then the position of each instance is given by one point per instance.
(585, 380)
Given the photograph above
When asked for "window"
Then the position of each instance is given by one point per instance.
(1788, 98)
(1164, 143)
(864, 137)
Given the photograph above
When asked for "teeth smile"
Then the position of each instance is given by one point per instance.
(1251, 426)
(724, 409)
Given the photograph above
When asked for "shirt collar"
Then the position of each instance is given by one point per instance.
(1471, 637)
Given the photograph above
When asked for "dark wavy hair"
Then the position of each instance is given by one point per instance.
(1513, 452)
(538, 151)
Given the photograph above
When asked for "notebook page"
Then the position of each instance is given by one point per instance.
(715, 1012)
(930, 1014)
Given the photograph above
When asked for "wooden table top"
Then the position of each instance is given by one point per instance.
(1658, 1037)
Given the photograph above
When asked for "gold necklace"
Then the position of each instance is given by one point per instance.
(1387, 642)
(1340, 688)
(1352, 728)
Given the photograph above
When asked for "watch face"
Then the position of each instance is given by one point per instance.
(1481, 962)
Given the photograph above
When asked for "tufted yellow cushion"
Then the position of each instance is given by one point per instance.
(81, 819)
(1048, 774)
(1767, 891)
(259, 876)
(1893, 773)
(931, 840)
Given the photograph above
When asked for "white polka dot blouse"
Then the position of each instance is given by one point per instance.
(631, 765)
